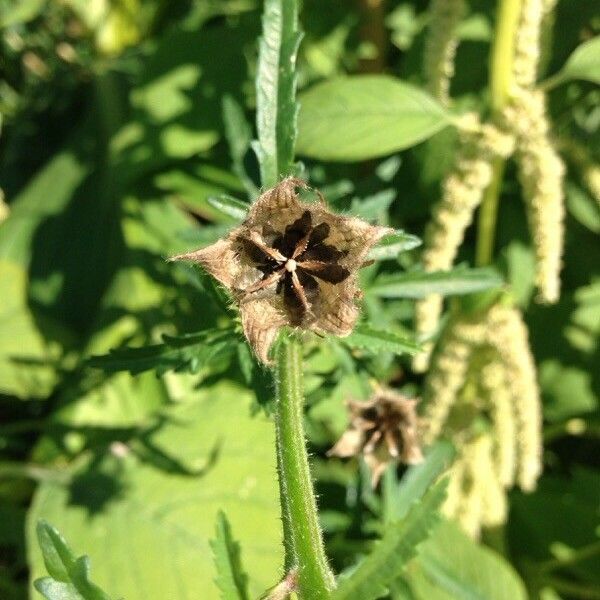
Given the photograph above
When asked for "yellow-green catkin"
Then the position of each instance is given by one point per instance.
(541, 173)
(448, 374)
(507, 334)
(495, 390)
(475, 496)
(481, 392)
(462, 192)
(440, 46)
(541, 170)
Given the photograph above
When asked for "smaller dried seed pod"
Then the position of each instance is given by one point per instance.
(383, 430)
(507, 334)
(440, 46)
(291, 263)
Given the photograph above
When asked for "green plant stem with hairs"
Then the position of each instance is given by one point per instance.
(302, 534)
(501, 68)
(276, 127)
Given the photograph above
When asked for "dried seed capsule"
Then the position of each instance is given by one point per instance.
(291, 263)
(382, 430)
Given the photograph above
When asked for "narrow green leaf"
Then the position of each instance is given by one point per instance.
(374, 340)
(374, 574)
(419, 478)
(366, 116)
(584, 63)
(418, 284)
(69, 576)
(231, 579)
(230, 206)
(276, 109)
(182, 353)
(239, 135)
(392, 245)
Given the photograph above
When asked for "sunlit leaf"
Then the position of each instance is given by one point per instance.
(584, 63)
(418, 284)
(451, 566)
(392, 245)
(146, 528)
(362, 117)
(232, 207)
(231, 579)
(370, 339)
(69, 576)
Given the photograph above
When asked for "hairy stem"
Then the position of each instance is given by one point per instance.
(501, 69)
(303, 541)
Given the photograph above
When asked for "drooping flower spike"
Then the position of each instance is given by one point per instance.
(291, 263)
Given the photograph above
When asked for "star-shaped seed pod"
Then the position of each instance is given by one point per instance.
(384, 429)
(291, 263)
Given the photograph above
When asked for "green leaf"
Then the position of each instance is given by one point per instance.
(239, 136)
(178, 353)
(374, 574)
(419, 478)
(392, 245)
(362, 117)
(146, 527)
(69, 576)
(451, 566)
(584, 63)
(418, 284)
(232, 207)
(374, 340)
(20, 12)
(276, 108)
(231, 579)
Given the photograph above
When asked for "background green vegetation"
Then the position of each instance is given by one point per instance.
(119, 126)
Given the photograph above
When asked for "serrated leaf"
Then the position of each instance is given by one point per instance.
(365, 116)
(178, 353)
(372, 577)
(231, 579)
(230, 206)
(419, 284)
(419, 478)
(392, 245)
(584, 63)
(276, 108)
(69, 576)
(368, 338)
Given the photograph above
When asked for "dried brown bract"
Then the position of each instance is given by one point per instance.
(383, 429)
(291, 263)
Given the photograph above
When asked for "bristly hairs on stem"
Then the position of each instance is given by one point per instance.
(276, 125)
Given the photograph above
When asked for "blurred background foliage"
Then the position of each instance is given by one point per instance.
(121, 121)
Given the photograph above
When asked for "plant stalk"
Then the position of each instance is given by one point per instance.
(302, 534)
(501, 72)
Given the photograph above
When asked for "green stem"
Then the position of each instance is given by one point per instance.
(488, 215)
(302, 535)
(501, 70)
